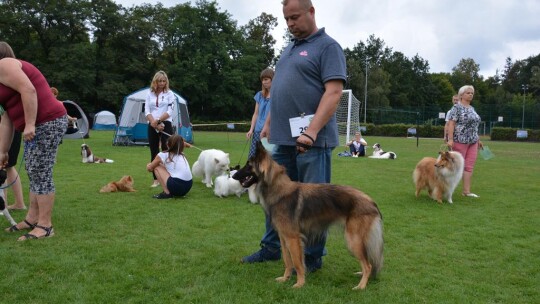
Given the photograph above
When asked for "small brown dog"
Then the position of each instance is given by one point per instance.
(125, 184)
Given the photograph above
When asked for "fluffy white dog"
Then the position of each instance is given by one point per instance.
(210, 163)
(225, 185)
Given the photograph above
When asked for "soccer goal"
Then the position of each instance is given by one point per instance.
(348, 116)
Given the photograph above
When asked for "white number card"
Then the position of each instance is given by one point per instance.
(300, 124)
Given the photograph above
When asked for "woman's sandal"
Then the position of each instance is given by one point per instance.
(470, 195)
(14, 228)
(49, 232)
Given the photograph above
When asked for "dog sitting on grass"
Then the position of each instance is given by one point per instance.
(89, 157)
(125, 184)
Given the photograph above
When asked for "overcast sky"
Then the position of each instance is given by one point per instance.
(440, 31)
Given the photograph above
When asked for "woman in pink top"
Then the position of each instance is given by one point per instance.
(28, 105)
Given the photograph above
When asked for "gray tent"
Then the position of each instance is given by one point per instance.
(83, 128)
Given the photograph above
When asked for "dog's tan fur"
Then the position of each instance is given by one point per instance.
(439, 176)
(125, 184)
(302, 211)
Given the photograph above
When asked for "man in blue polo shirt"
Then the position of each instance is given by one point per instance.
(305, 92)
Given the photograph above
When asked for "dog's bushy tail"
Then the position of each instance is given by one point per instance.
(375, 245)
(197, 169)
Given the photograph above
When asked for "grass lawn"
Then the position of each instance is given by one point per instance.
(130, 248)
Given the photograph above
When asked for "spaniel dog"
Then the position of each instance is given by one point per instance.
(88, 156)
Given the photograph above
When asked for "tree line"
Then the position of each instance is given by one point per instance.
(96, 52)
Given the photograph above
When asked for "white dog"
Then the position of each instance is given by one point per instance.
(225, 185)
(210, 163)
(380, 154)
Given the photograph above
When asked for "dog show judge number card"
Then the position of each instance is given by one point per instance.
(300, 124)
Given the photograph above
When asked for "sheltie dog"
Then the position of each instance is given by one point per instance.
(3, 206)
(440, 176)
(380, 154)
(125, 184)
(302, 212)
(89, 157)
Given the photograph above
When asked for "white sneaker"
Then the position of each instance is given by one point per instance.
(155, 184)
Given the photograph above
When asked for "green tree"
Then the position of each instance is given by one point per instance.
(467, 71)
(443, 90)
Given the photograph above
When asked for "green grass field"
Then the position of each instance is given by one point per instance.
(130, 248)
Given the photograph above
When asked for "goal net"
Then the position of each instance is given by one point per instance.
(348, 116)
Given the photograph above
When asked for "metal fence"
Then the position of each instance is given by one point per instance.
(528, 117)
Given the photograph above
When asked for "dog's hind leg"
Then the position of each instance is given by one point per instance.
(8, 217)
(355, 233)
(5, 211)
(437, 195)
(418, 189)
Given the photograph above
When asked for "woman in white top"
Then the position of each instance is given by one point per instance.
(358, 145)
(172, 169)
(158, 109)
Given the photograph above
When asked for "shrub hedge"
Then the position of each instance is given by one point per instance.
(393, 130)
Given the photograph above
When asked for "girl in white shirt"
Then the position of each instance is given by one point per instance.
(158, 109)
(172, 169)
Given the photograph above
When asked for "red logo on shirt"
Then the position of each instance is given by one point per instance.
(303, 53)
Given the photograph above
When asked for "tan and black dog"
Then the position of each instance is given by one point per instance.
(303, 211)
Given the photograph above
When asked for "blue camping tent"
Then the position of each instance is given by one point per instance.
(104, 120)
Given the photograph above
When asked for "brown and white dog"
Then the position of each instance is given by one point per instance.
(125, 184)
(440, 176)
(89, 157)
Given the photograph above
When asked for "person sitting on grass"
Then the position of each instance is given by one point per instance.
(172, 169)
(358, 145)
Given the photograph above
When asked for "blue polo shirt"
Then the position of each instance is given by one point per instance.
(298, 85)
